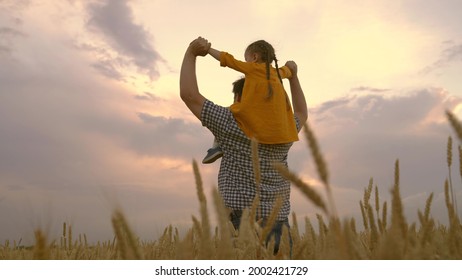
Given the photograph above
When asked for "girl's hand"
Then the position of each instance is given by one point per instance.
(292, 66)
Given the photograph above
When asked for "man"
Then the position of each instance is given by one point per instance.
(236, 180)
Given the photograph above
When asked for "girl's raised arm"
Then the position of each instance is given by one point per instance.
(215, 53)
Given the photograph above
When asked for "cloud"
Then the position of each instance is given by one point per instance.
(109, 69)
(362, 136)
(14, 5)
(114, 20)
(391, 113)
(147, 96)
(4, 49)
(68, 138)
(155, 136)
(451, 53)
(63, 147)
(7, 37)
(369, 89)
(10, 32)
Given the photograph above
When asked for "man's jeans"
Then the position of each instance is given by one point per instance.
(276, 231)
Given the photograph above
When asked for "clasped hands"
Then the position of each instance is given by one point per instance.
(199, 47)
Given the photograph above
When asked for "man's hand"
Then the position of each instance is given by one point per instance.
(199, 47)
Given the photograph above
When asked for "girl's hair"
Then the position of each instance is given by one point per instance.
(267, 55)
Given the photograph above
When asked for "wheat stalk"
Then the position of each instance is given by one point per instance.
(428, 204)
(206, 249)
(64, 240)
(306, 189)
(322, 230)
(449, 206)
(126, 240)
(449, 162)
(367, 193)
(426, 222)
(294, 228)
(316, 152)
(456, 125)
(348, 237)
(70, 238)
(320, 165)
(353, 225)
(284, 245)
(363, 215)
(455, 234)
(374, 233)
(310, 234)
(460, 161)
(41, 250)
(225, 247)
(247, 240)
(271, 220)
(377, 210)
(384, 215)
(397, 215)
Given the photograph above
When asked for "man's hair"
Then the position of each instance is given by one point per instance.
(238, 86)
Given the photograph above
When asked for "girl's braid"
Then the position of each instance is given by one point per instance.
(268, 63)
(267, 55)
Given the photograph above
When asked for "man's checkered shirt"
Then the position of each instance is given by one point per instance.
(236, 180)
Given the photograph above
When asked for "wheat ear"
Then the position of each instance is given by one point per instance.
(384, 216)
(320, 165)
(449, 161)
(206, 251)
(271, 220)
(306, 189)
(397, 215)
(363, 215)
(426, 222)
(455, 123)
(126, 240)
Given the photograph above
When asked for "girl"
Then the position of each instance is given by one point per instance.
(264, 112)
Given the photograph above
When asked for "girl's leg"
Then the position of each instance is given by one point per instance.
(213, 153)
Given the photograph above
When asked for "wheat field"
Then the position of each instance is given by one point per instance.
(385, 233)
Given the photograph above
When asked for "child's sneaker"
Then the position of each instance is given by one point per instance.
(212, 155)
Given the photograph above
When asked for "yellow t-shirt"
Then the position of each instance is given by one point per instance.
(268, 120)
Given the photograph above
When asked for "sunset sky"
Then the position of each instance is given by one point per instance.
(91, 119)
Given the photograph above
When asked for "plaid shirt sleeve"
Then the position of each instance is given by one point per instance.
(215, 117)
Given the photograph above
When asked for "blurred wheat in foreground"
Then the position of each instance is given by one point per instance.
(386, 233)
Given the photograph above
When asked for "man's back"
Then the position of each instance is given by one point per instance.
(236, 180)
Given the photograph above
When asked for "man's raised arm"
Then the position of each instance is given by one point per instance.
(298, 97)
(189, 90)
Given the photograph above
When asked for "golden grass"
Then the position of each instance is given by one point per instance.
(381, 236)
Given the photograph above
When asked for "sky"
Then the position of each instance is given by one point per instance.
(91, 119)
